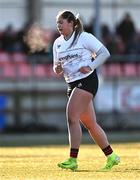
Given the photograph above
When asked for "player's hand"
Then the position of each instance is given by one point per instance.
(58, 68)
(85, 69)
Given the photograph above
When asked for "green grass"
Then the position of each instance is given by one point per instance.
(40, 163)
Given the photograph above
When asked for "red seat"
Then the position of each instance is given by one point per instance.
(4, 57)
(103, 70)
(19, 58)
(40, 71)
(114, 70)
(24, 70)
(9, 71)
(129, 69)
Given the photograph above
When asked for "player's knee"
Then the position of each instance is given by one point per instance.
(73, 118)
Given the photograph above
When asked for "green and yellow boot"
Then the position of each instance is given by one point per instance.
(71, 164)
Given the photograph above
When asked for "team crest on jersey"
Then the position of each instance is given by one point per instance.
(58, 46)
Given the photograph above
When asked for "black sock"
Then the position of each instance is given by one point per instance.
(74, 152)
(108, 150)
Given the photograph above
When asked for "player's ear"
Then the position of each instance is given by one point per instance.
(71, 23)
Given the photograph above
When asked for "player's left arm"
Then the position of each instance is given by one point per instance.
(99, 52)
(101, 56)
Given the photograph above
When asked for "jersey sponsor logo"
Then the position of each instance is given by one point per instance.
(68, 57)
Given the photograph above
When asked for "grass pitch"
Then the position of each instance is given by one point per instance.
(40, 163)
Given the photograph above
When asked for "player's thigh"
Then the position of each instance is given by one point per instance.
(78, 102)
(88, 117)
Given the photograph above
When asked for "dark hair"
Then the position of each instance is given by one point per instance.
(78, 26)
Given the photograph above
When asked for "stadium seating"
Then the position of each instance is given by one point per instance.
(129, 70)
(24, 71)
(19, 58)
(10, 71)
(117, 70)
(40, 71)
(111, 70)
(4, 57)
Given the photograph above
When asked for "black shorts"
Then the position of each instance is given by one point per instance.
(90, 84)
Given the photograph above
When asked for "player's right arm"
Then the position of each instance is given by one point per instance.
(57, 68)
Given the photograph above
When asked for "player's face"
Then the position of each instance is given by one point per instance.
(64, 27)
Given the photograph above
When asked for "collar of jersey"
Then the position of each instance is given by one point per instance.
(70, 36)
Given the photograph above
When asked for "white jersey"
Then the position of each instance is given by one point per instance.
(77, 56)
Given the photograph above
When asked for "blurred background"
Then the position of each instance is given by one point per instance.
(33, 98)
